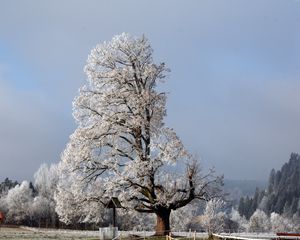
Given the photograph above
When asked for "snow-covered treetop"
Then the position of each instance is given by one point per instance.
(45, 179)
(121, 82)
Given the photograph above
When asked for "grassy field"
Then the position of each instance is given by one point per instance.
(21, 233)
(18, 233)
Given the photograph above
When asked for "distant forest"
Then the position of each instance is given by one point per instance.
(282, 194)
(276, 208)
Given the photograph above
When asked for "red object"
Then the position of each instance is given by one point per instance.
(288, 234)
(2, 217)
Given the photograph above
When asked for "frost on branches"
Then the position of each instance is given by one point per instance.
(213, 218)
(18, 202)
(259, 222)
(121, 142)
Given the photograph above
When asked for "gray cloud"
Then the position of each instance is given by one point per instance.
(32, 132)
(233, 87)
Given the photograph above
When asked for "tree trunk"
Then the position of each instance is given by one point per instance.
(163, 222)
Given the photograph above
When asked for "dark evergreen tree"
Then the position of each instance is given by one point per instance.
(241, 207)
(271, 181)
(282, 194)
(6, 185)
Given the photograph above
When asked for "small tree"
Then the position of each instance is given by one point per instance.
(18, 203)
(45, 182)
(182, 218)
(280, 223)
(259, 222)
(43, 211)
(121, 139)
(6, 185)
(240, 220)
(213, 219)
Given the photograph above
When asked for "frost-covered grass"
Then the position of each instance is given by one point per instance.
(26, 233)
(45, 234)
(149, 235)
(160, 238)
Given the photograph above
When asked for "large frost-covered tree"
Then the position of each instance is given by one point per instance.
(121, 140)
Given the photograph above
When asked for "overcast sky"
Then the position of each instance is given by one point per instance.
(234, 86)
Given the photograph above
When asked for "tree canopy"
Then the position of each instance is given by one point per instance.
(121, 143)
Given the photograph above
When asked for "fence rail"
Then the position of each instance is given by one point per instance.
(254, 237)
(196, 235)
(221, 236)
(171, 236)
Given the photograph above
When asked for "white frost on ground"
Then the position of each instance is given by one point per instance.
(65, 234)
(45, 234)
